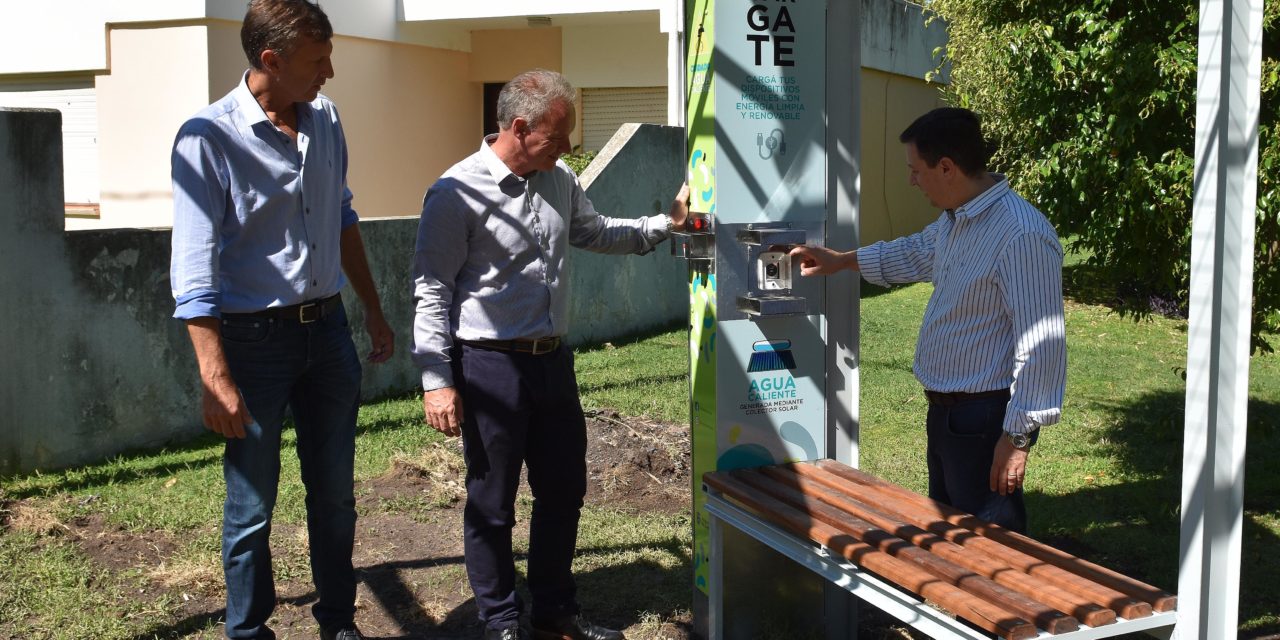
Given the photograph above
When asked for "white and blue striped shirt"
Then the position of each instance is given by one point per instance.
(995, 319)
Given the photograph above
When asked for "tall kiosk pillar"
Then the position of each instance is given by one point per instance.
(772, 133)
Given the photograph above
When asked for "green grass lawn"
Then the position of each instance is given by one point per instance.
(1104, 483)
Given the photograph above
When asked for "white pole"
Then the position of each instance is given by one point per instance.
(1224, 201)
(844, 135)
(672, 19)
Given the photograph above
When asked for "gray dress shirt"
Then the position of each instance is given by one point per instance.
(492, 262)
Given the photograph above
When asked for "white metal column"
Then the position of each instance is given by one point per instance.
(1224, 201)
(844, 167)
(672, 19)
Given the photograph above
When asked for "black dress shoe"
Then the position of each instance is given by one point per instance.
(509, 633)
(572, 628)
(340, 633)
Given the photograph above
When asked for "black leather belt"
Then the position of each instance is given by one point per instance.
(956, 397)
(305, 312)
(535, 347)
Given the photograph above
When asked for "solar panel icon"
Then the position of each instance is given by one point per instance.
(771, 355)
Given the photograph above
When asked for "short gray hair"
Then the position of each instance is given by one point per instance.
(530, 95)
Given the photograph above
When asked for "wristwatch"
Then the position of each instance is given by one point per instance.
(1018, 440)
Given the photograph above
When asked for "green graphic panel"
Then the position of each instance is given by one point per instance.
(699, 78)
(702, 413)
(700, 109)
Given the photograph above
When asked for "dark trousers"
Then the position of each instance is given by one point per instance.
(311, 370)
(962, 443)
(519, 408)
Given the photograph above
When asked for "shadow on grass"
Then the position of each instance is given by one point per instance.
(1134, 526)
(198, 622)
(1088, 284)
(614, 596)
(633, 381)
(654, 332)
(1091, 284)
(78, 478)
(868, 290)
(141, 466)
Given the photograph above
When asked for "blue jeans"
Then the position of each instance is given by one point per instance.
(519, 409)
(313, 370)
(962, 445)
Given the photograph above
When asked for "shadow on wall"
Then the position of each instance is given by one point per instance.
(94, 363)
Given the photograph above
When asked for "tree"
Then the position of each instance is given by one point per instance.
(1092, 106)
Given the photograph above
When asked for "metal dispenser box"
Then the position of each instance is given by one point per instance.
(762, 181)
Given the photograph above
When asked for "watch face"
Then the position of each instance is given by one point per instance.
(1019, 440)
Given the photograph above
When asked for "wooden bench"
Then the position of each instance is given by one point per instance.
(891, 547)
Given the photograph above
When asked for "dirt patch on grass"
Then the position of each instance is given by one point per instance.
(117, 549)
(29, 517)
(409, 554)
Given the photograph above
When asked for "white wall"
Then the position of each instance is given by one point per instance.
(440, 10)
(141, 104)
(615, 56)
(58, 36)
(55, 36)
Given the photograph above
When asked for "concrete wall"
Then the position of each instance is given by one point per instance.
(636, 174)
(897, 53)
(73, 35)
(411, 110)
(615, 56)
(891, 207)
(94, 364)
(398, 145)
(409, 113)
(898, 38)
(141, 105)
(498, 55)
(91, 364)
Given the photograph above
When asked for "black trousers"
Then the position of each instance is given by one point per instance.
(521, 408)
(962, 444)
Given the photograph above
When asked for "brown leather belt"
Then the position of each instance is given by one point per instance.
(535, 347)
(305, 312)
(947, 399)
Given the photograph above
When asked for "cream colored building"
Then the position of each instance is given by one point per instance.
(413, 80)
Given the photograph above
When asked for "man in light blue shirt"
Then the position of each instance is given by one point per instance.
(263, 232)
(491, 276)
(992, 350)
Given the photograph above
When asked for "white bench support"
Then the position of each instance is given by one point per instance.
(883, 595)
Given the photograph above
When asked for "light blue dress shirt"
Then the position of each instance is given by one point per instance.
(995, 319)
(257, 219)
(492, 257)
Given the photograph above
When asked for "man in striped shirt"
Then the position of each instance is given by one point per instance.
(992, 348)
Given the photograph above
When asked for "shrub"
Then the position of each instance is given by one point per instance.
(1093, 107)
(579, 160)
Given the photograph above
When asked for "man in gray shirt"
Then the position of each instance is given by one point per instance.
(491, 274)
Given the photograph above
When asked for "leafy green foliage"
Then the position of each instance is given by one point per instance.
(578, 160)
(1093, 107)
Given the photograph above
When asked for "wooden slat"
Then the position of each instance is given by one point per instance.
(1153, 597)
(1043, 616)
(830, 489)
(923, 512)
(985, 615)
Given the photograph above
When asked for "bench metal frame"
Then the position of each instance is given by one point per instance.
(873, 590)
